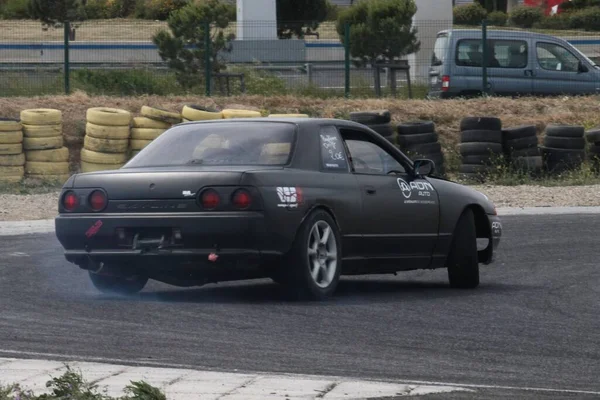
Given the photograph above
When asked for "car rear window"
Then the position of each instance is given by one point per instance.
(219, 143)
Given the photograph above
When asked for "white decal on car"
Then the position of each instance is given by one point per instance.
(289, 196)
(421, 189)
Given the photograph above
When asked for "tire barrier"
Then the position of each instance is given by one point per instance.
(230, 113)
(418, 139)
(481, 146)
(12, 158)
(377, 120)
(106, 140)
(564, 147)
(288, 116)
(193, 112)
(153, 123)
(593, 138)
(521, 148)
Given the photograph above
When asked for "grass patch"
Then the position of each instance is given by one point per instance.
(71, 385)
(31, 186)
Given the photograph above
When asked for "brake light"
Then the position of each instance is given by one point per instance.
(97, 200)
(241, 199)
(70, 201)
(210, 199)
(445, 83)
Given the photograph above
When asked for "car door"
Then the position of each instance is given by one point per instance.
(399, 213)
(557, 71)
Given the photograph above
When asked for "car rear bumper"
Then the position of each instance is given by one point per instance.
(166, 239)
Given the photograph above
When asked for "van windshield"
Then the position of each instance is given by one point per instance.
(439, 50)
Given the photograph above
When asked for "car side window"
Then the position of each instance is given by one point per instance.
(333, 154)
(502, 53)
(554, 57)
(367, 157)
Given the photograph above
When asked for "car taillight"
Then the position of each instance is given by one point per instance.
(241, 199)
(97, 200)
(209, 199)
(445, 83)
(70, 201)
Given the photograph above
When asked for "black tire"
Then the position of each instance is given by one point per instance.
(558, 160)
(118, 284)
(462, 261)
(593, 135)
(594, 149)
(477, 160)
(519, 132)
(481, 136)
(416, 127)
(475, 169)
(520, 144)
(481, 148)
(564, 142)
(571, 131)
(528, 152)
(481, 123)
(297, 279)
(419, 138)
(385, 130)
(426, 148)
(529, 163)
(371, 117)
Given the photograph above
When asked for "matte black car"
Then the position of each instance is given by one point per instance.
(301, 201)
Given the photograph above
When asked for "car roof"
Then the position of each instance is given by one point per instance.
(294, 120)
(498, 32)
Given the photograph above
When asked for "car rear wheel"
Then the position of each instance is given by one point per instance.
(312, 270)
(462, 262)
(118, 284)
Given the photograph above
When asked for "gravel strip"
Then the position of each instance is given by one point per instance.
(43, 206)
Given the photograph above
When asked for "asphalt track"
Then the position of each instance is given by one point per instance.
(533, 322)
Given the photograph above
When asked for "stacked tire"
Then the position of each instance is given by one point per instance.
(564, 147)
(153, 123)
(288, 116)
(480, 146)
(46, 157)
(106, 139)
(521, 148)
(231, 113)
(418, 139)
(193, 112)
(377, 120)
(12, 159)
(593, 138)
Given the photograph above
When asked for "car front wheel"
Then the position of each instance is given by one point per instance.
(118, 284)
(313, 266)
(462, 262)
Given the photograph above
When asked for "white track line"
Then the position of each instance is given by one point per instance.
(14, 228)
(420, 383)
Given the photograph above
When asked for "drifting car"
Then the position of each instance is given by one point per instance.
(301, 201)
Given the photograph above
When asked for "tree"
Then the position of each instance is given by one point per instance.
(299, 17)
(184, 46)
(380, 30)
(56, 12)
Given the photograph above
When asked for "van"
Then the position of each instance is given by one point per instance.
(519, 63)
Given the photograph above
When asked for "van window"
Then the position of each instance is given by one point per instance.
(501, 53)
(554, 57)
(439, 50)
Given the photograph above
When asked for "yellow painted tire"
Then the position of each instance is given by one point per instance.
(105, 145)
(134, 153)
(289, 116)
(13, 137)
(197, 113)
(52, 155)
(12, 171)
(9, 149)
(46, 168)
(91, 167)
(108, 116)
(14, 160)
(138, 144)
(233, 113)
(41, 116)
(102, 158)
(186, 120)
(147, 123)
(11, 179)
(38, 131)
(10, 125)
(145, 133)
(43, 143)
(107, 132)
(59, 178)
(161, 115)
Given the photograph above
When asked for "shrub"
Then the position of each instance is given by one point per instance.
(588, 19)
(15, 9)
(157, 9)
(132, 82)
(96, 9)
(470, 14)
(558, 21)
(121, 8)
(497, 18)
(526, 16)
(299, 17)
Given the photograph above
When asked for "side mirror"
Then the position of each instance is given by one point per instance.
(582, 67)
(423, 167)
